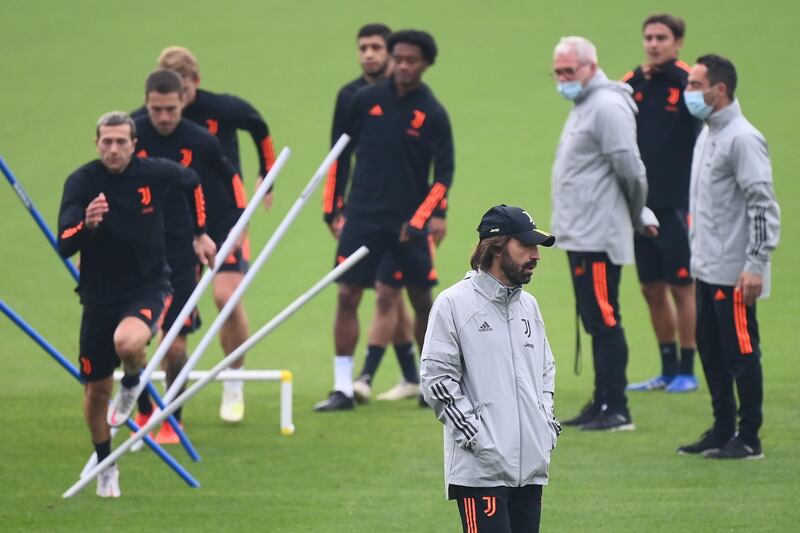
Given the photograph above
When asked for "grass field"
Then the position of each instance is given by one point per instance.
(378, 469)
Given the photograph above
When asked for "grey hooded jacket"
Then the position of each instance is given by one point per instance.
(735, 217)
(488, 372)
(599, 180)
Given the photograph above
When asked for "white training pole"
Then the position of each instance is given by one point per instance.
(276, 237)
(208, 276)
(158, 418)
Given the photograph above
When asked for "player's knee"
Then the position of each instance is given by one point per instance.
(654, 293)
(349, 297)
(421, 300)
(386, 301)
(128, 346)
(176, 354)
(99, 392)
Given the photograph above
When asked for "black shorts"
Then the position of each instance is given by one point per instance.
(98, 356)
(665, 257)
(239, 260)
(389, 260)
(183, 281)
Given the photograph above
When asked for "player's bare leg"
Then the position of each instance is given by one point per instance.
(345, 337)
(130, 342)
(172, 364)
(95, 405)
(684, 298)
(233, 333)
(403, 342)
(382, 330)
(664, 320)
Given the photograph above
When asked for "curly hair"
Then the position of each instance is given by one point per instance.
(422, 39)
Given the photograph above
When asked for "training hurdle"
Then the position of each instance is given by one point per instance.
(285, 378)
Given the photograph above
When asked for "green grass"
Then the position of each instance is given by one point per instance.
(378, 469)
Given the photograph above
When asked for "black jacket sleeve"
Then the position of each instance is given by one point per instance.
(232, 182)
(346, 119)
(72, 230)
(246, 117)
(435, 203)
(189, 183)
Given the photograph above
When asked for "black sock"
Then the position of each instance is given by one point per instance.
(687, 361)
(408, 361)
(145, 407)
(128, 381)
(669, 358)
(103, 450)
(373, 361)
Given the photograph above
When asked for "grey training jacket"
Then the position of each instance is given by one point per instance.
(599, 180)
(735, 219)
(488, 372)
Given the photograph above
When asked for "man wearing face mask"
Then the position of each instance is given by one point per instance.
(735, 228)
(599, 191)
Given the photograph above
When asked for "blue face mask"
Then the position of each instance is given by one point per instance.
(570, 89)
(696, 104)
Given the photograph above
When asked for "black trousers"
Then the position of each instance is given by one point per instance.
(499, 509)
(728, 342)
(596, 282)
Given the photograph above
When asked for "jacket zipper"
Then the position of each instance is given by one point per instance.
(516, 387)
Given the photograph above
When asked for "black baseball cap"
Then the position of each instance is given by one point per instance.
(514, 221)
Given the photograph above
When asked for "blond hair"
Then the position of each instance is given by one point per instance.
(181, 60)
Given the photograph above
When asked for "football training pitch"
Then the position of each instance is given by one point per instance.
(379, 468)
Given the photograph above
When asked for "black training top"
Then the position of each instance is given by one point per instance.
(343, 100)
(222, 115)
(666, 133)
(395, 140)
(125, 254)
(193, 147)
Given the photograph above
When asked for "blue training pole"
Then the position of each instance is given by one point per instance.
(26, 201)
(23, 196)
(69, 367)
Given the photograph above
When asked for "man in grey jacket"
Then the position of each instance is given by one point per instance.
(488, 372)
(599, 192)
(735, 228)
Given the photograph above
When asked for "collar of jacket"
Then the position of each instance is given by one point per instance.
(491, 288)
(601, 81)
(719, 119)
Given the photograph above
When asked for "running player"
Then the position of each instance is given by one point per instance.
(112, 212)
(223, 115)
(163, 133)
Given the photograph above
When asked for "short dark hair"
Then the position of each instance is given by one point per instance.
(375, 28)
(419, 38)
(115, 118)
(676, 24)
(484, 252)
(163, 81)
(720, 70)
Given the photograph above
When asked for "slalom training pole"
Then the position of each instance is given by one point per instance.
(265, 253)
(26, 201)
(69, 367)
(158, 418)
